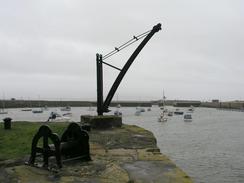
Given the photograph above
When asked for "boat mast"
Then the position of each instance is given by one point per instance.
(163, 98)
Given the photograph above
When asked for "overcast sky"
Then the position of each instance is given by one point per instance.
(48, 48)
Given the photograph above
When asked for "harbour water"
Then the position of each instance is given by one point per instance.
(209, 149)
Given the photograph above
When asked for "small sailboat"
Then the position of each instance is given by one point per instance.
(163, 108)
(91, 108)
(191, 109)
(187, 118)
(45, 108)
(138, 112)
(27, 108)
(117, 112)
(2, 111)
(38, 110)
(162, 118)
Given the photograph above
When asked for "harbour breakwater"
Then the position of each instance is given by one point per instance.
(236, 105)
(48, 103)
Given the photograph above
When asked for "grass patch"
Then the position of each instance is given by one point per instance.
(16, 143)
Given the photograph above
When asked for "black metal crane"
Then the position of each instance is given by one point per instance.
(102, 106)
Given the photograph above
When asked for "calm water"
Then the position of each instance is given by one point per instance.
(210, 148)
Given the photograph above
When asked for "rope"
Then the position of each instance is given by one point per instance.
(126, 44)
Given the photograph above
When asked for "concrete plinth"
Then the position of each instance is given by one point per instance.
(102, 122)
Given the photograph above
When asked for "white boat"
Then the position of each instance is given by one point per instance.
(191, 109)
(187, 117)
(67, 108)
(162, 118)
(117, 113)
(141, 109)
(91, 108)
(3, 112)
(2, 109)
(45, 108)
(26, 109)
(138, 112)
(163, 102)
(55, 117)
(37, 111)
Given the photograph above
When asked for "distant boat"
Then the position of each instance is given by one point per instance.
(2, 109)
(179, 112)
(141, 109)
(170, 113)
(187, 117)
(37, 111)
(3, 112)
(26, 109)
(162, 118)
(68, 114)
(138, 112)
(149, 109)
(163, 102)
(45, 108)
(91, 108)
(55, 117)
(67, 108)
(117, 113)
(191, 109)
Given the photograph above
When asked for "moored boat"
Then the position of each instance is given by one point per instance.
(187, 117)
(162, 118)
(55, 117)
(26, 109)
(179, 112)
(37, 111)
(67, 108)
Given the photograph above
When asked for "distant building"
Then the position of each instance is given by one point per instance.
(215, 101)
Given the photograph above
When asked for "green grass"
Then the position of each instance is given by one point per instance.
(16, 143)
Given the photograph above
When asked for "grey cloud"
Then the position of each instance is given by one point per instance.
(197, 55)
